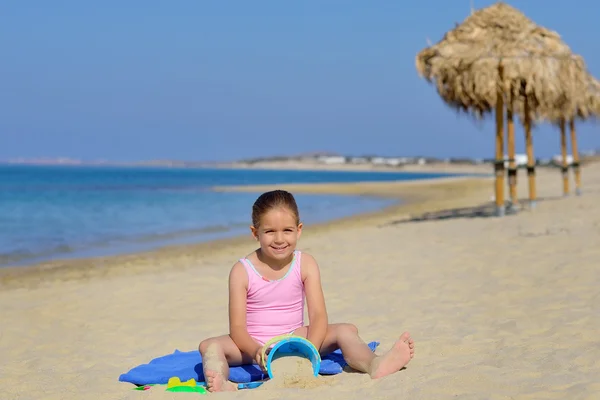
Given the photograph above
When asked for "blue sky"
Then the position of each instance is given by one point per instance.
(223, 80)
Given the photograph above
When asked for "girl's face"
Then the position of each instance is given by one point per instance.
(278, 233)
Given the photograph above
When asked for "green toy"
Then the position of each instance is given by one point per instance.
(196, 389)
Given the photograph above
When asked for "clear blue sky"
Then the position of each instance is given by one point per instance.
(191, 79)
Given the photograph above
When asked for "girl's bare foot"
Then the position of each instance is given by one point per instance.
(395, 359)
(216, 383)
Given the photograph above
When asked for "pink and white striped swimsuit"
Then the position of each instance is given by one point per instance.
(275, 307)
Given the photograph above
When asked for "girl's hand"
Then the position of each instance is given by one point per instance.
(258, 359)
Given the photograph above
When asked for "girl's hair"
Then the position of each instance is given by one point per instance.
(273, 199)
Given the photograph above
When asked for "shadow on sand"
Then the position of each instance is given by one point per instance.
(487, 210)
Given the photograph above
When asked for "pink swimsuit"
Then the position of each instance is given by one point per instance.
(276, 307)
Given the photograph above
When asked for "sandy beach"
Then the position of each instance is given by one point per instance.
(499, 308)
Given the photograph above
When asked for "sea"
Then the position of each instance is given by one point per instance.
(60, 212)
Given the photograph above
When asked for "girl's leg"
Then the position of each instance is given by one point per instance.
(218, 354)
(359, 356)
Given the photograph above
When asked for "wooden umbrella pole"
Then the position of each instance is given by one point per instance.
(499, 162)
(530, 157)
(575, 151)
(565, 162)
(512, 165)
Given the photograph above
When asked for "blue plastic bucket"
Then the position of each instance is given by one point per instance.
(295, 346)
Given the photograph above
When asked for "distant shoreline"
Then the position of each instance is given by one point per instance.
(286, 165)
(413, 196)
(308, 163)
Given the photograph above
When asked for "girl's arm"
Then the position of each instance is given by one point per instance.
(315, 301)
(238, 286)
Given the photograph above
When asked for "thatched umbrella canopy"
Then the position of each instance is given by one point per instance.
(499, 55)
(583, 105)
(589, 105)
(536, 63)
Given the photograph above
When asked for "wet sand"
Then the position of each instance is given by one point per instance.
(499, 308)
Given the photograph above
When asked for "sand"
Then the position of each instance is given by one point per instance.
(499, 308)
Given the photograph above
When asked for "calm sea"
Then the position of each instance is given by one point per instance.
(63, 212)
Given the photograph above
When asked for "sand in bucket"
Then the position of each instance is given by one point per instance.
(294, 372)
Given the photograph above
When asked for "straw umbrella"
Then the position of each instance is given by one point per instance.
(582, 103)
(498, 55)
(584, 106)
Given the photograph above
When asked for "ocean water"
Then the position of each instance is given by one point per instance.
(55, 212)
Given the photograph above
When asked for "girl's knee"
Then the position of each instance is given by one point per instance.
(347, 329)
(208, 343)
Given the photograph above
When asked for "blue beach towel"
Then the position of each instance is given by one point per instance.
(188, 365)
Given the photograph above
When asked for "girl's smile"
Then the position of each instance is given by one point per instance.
(279, 249)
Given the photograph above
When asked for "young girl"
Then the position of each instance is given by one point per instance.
(267, 290)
